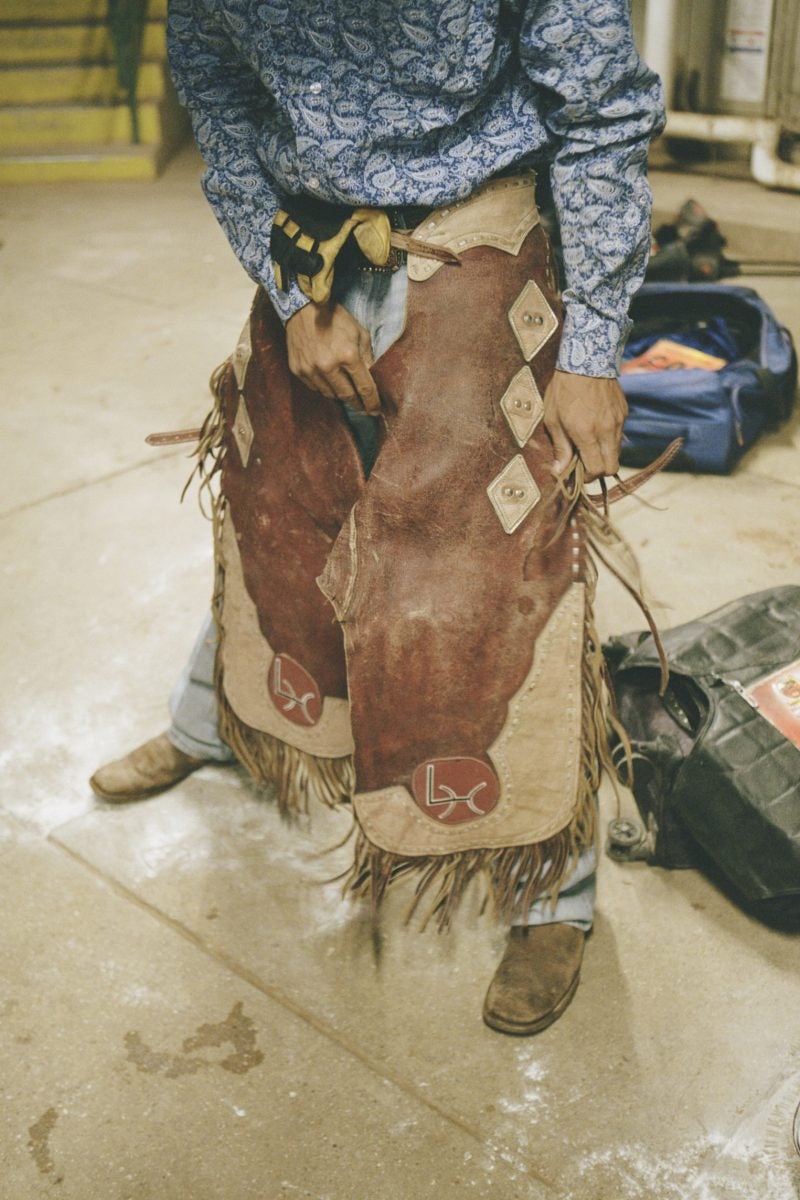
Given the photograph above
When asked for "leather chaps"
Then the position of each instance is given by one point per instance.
(421, 642)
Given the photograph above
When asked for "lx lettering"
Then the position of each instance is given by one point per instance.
(449, 799)
(292, 701)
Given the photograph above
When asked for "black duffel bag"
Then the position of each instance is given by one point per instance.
(716, 780)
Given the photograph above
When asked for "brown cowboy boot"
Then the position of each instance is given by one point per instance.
(146, 771)
(536, 979)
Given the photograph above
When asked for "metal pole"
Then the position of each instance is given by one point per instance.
(659, 41)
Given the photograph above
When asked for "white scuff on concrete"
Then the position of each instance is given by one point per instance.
(710, 1168)
(532, 1098)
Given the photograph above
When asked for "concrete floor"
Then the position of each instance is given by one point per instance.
(188, 1010)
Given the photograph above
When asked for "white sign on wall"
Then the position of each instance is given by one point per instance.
(745, 54)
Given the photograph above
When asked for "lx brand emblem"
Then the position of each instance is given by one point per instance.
(453, 790)
(450, 798)
(295, 703)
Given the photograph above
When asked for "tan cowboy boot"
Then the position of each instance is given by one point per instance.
(537, 977)
(146, 771)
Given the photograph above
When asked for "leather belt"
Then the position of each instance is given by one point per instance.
(402, 217)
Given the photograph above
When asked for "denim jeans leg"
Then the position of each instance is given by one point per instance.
(193, 703)
(575, 904)
(377, 300)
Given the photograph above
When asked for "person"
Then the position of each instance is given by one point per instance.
(403, 610)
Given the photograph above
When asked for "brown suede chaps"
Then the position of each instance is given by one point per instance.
(421, 642)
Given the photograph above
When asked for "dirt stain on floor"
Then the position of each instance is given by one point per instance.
(39, 1143)
(783, 546)
(237, 1031)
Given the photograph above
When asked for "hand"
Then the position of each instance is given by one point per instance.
(331, 353)
(584, 416)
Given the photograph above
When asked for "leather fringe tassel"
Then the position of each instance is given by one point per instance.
(604, 543)
(298, 777)
(209, 449)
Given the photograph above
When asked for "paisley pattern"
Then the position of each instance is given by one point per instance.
(390, 102)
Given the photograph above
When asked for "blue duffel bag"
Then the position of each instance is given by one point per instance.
(720, 413)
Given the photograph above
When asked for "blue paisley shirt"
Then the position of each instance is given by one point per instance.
(391, 102)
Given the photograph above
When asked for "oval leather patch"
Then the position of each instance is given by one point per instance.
(293, 691)
(454, 790)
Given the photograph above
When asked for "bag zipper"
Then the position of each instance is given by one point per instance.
(737, 414)
(738, 687)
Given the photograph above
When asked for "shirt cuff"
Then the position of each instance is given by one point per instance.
(286, 304)
(591, 343)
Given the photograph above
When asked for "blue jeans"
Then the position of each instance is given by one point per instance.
(378, 301)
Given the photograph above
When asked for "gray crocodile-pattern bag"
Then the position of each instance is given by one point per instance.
(710, 770)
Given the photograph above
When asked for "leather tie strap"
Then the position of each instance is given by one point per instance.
(626, 487)
(173, 438)
(401, 240)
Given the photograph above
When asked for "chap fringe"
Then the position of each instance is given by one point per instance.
(298, 777)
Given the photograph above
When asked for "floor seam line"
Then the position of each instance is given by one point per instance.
(247, 976)
(28, 827)
(78, 487)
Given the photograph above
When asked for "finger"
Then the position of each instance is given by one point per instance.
(562, 446)
(321, 384)
(591, 456)
(606, 443)
(609, 448)
(344, 388)
(365, 387)
(365, 348)
(304, 372)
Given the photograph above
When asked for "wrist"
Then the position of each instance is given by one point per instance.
(309, 313)
(591, 342)
(611, 377)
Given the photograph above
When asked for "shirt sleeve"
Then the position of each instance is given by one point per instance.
(602, 107)
(230, 112)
